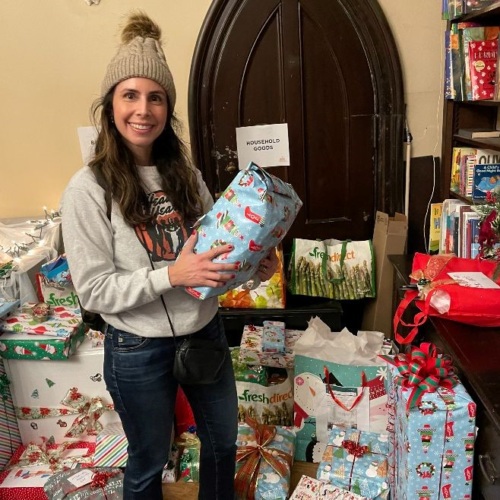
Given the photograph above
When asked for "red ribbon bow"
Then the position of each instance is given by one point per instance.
(354, 448)
(246, 478)
(423, 370)
(100, 479)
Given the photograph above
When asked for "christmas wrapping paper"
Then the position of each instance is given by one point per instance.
(111, 447)
(62, 321)
(432, 442)
(273, 337)
(10, 439)
(188, 445)
(25, 346)
(31, 466)
(253, 214)
(247, 373)
(251, 348)
(356, 461)
(263, 461)
(54, 399)
(81, 484)
(309, 488)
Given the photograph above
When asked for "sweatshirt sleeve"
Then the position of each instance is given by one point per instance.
(88, 243)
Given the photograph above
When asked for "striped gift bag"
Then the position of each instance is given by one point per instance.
(10, 438)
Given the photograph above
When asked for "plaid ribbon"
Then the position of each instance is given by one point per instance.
(88, 411)
(422, 370)
(245, 482)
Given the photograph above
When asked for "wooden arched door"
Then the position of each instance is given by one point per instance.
(328, 68)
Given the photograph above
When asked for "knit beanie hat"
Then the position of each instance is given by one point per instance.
(140, 55)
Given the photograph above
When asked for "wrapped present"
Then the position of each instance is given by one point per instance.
(356, 461)
(247, 373)
(270, 294)
(10, 439)
(31, 466)
(263, 461)
(251, 348)
(253, 214)
(111, 447)
(171, 470)
(64, 400)
(61, 322)
(25, 346)
(432, 423)
(188, 444)
(91, 483)
(273, 337)
(309, 488)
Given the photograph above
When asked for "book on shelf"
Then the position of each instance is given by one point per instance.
(469, 34)
(482, 68)
(478, 133)
(449, 226)
(461, 247)
(486, 178)
(469, 6)
(435, 227)
(470, 228)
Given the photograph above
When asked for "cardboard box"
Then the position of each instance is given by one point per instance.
(389, 238)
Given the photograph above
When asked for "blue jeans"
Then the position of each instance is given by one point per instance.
(138, 375)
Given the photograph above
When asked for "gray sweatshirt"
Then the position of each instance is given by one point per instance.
(109, 262)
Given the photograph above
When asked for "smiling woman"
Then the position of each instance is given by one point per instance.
(140, 110)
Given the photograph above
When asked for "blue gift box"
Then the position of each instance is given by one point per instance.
(356, 461)
(273, 336)
(431, 448)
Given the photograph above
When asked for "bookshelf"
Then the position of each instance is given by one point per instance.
(468, 114)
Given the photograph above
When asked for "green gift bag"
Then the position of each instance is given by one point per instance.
(342, 270)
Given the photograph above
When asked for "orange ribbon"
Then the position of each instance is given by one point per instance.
(252, 455)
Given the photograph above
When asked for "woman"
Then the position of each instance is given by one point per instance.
(132, 266)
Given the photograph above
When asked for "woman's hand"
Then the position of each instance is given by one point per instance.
(268, 265)
(198, 269)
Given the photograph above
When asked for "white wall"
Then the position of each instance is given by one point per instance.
(54, 53)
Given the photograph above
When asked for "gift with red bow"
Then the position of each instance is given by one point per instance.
(95, 483)
(263, 460)
(431, 424)
(356, 461)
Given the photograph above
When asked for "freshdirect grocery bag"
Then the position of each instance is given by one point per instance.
(342, 270)
(253, 214)
(351, 362)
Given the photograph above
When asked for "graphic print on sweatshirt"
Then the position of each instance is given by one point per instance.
(164, 238)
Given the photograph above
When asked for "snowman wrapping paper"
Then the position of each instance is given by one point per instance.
(356, 461)
(431, 446)
(253, 214)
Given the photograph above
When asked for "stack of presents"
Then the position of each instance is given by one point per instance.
(378, 423)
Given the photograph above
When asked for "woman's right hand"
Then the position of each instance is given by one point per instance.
(198, 269)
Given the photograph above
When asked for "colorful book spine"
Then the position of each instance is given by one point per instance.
(435, 227)
(482, 67)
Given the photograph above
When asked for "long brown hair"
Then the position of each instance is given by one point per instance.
(116, 163)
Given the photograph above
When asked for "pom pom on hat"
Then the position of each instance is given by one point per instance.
(140, 55)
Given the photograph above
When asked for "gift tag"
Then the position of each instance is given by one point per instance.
(81, 478)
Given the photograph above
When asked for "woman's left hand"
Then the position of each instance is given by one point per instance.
(268, 265)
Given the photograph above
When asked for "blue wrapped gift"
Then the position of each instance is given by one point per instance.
(273, 336)
(253, 214)
(356, 461)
